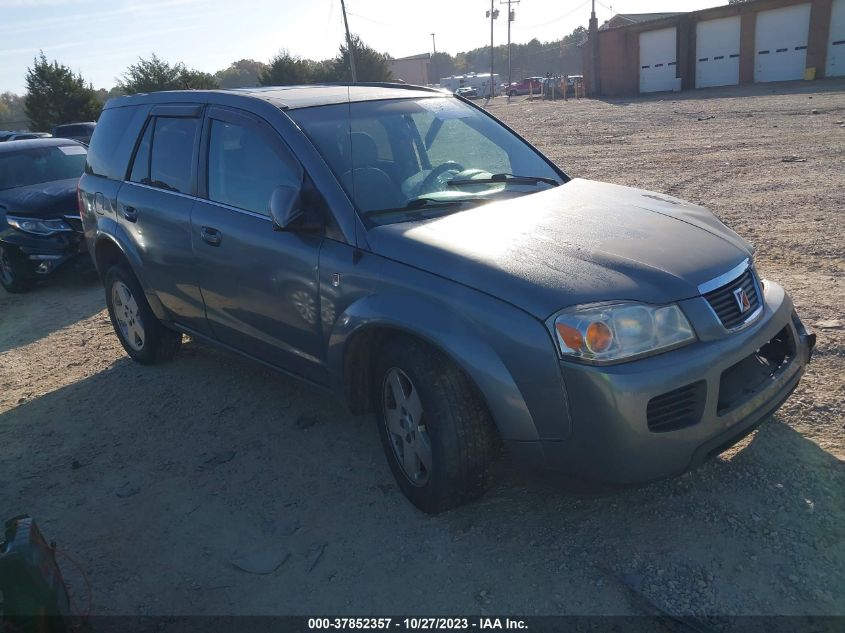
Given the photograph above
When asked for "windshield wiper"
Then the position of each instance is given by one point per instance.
(507, 178)
(422, 204)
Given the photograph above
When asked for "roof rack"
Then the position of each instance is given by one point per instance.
(380, 84)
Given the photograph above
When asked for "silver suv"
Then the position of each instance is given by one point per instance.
(408, 252)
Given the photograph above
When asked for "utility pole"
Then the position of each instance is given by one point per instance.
(349, 44)
(492, 14)
(594, 53)
(433, 64)
(510, 19)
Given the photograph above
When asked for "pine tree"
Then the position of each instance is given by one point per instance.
(55, 95)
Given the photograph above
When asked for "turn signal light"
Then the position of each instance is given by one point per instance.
(599, 337)
(570, 336)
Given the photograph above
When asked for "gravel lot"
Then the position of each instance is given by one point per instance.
(156, 479)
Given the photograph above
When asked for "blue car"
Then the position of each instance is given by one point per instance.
(40, 227)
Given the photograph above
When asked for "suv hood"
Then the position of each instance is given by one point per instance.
(45, 200)
(582, 242)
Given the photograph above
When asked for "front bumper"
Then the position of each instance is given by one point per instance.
(46, 252)
(614, 437)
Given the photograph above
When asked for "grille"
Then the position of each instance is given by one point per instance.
(725, 305)
(677, 409)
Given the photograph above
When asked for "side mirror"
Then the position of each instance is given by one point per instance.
(284, 206)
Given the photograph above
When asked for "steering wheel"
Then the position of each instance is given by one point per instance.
(436, 173)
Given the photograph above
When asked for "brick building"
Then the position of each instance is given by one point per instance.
(757, 41)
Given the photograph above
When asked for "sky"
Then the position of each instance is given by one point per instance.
(100, 38)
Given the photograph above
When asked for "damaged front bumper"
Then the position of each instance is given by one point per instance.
(660, 416)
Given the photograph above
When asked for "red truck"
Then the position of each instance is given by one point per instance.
(529, 85)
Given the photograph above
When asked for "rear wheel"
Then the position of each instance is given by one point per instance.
(17, 273)
(142, 335)
(436, 432)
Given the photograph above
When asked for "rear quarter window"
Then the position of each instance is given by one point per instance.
(113, 141)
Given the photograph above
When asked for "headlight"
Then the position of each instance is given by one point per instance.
(610, 333)
(38, 227)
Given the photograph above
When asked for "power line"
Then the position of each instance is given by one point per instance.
(565, 15)
(329, 21)
(364, 17)
(606, 7)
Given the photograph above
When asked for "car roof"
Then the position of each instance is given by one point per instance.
(86, 123)
(34, 143)
(293, 97)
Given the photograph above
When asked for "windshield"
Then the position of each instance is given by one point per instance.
(40, 164)
(394, 155)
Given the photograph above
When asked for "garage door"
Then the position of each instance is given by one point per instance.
(781, 43)
(836, 45)
(717, 52)
(658, 63)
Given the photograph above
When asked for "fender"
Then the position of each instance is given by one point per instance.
(453, 334)
(108, 230)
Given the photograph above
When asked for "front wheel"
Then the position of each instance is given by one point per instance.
(142, 335)
(435, 429)
(17, 274)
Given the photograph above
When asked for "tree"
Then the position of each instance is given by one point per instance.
(12, 115)
(104, 95)
(192, 79)
(289, 70)
(369, 64)
(54, 95)
(534, 58)
(154, 74)
(244, 73)
(442, 65)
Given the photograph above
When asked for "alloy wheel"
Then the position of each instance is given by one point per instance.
(404, 418)
(127, 315)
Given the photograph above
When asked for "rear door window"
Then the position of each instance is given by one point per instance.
(141, 165)
(172, 155)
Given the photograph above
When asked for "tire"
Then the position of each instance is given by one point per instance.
(438, 418)
(512, 93)
(17, 273)
(142, 335)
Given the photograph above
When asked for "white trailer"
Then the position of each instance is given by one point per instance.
(479, 81)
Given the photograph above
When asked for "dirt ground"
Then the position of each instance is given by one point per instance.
(156, 478)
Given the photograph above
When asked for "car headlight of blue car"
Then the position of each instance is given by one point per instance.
(611, 333)
(37, 226)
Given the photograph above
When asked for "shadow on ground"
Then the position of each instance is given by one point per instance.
(158, 477)
(70, 295)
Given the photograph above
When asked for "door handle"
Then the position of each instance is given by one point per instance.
(130, 213)
(210, 236)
